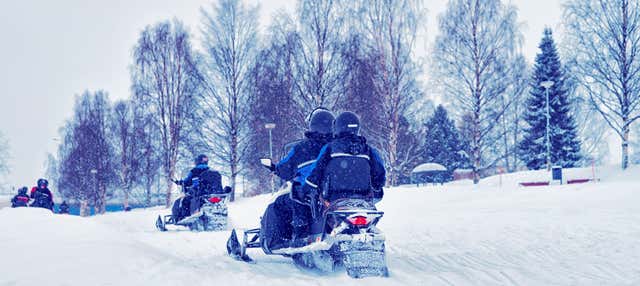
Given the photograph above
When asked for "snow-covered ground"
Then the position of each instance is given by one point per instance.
(456, 234)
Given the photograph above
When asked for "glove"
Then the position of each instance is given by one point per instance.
(377, 195)
(303, 193)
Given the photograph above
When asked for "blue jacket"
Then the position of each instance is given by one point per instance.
(296, 165)
(347, 166)
(195, 172)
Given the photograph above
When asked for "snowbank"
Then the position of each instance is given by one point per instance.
(459, 235)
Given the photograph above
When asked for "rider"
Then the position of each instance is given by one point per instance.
(347, 167)
(64, 208)
(41, 195)
(190, 184)
(295, 166)
(21, 199)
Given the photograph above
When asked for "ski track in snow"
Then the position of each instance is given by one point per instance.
(455, 234)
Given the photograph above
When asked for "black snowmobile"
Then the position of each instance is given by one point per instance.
(343, 234)
(204, 209)
(42, 200)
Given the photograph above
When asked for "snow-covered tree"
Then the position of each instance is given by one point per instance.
(564, 146)
(635, 146)
(87, 169)
(4, 160)
(442, 142)
(4, 155)
(474, 58)
(605, 40)
(128, 146)
(166, 81)
(273, 101)
(145, 130)
(590, 126)
(512, 123)
(230, 33)
(318, 66)
(391, 27)
(360, 94)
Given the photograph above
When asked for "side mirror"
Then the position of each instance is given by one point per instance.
(266, 162)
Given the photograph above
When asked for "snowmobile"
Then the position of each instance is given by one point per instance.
(343, 234)
(207, 209)
(42, 200)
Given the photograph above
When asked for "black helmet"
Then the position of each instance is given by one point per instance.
(22, 190)
(201, 159)
(320, 121)
(42, 183)
(347, 123)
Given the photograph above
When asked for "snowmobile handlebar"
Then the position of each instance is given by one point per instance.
(267, 163)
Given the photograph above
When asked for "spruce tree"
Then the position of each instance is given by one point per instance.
(565, 146)
(443, 144)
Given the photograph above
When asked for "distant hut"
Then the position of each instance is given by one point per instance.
(462, 174)
(430, 173)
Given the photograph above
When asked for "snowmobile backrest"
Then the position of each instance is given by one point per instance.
(347, 172)
(209, 182)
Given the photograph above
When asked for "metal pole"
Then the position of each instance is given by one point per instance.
(548, 140)
(547, 84)
(269, 127)
(270, 146)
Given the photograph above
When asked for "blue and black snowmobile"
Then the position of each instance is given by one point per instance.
(343, 235)
(203, 208)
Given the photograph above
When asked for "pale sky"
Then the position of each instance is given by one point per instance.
(54, 50)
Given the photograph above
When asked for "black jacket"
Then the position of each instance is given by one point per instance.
(42, 197)
(208, 181)
(347, 166)
(301, 156)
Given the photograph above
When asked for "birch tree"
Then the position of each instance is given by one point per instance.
(473, 66)
(391, 26)
(166, 80)
(605, 37)
(230, 36)
(318, 66)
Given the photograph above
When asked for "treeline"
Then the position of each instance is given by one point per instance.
(356, 55)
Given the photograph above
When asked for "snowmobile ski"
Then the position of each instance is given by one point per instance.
(236, 250)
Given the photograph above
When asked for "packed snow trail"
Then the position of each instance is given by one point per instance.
(456, 234)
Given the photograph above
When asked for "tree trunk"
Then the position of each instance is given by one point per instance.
(393, 150)
(170, 175)
(148, 194)
(103, 202)
(234, 169)
(84, 207)
(101, 205)
(476, 148)
(126, 198)
(625, 147)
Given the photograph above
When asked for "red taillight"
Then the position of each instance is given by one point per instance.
(215, 200)
(358, 220)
